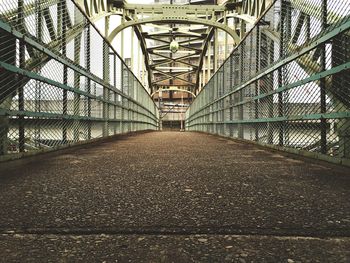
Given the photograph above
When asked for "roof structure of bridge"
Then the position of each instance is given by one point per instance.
(185, 23)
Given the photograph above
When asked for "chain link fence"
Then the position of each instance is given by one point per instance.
(60, 81)
(287, 84)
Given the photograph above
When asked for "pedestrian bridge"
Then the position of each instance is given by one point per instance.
(89, 171)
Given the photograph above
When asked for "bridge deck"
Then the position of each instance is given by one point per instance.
(173, 197)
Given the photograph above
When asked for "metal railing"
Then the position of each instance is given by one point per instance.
(60, 82)
(287, 84)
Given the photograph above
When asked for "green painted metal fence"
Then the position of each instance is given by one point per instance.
(287, 84)
(60, 82)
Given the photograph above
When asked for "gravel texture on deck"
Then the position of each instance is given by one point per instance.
(173, 197)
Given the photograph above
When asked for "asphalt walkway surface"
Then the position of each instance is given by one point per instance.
(173, 197)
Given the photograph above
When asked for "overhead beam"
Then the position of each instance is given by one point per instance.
(174, 20)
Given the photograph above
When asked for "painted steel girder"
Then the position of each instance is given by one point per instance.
(94, 7)
(174, 20)
(248, 11)
(245, 10)
(308, 62)
(173, 76)
(36, 61)
(174, 89)
(97, 9)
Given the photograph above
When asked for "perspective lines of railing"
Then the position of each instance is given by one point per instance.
(287, 84)
(60, 82)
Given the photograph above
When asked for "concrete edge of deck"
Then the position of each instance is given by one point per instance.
(33, 154)
(300, 153)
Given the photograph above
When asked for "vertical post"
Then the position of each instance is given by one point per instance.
(280, 73)
(77, 50)
(123, 82)
(143, 69)
(270, 128)
(132, 80)
(139, 61)
(105, 129)
(61, 33)
(216, 104)
(88, 68)
(182, 116)
(216, 47)
(122, 98)
(209, 60)
(241, 107)
(231, 96)
(286, 37)
(257, 65)
(209, 55)
(132, 49)
(39, 31)
(115, 93)
(160, 95)
(226, 39)
(240, 93)
(204, 66)
(224, 101)
(323, 82)
(21, 132)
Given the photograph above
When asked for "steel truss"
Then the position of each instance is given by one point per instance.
(187, 23)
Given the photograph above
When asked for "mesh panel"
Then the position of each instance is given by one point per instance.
(62, 83)
(289, 81)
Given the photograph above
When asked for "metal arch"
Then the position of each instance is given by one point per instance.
(173, 89)
(176, 20)
(247, 12)
(138, 33)
(98, 9)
